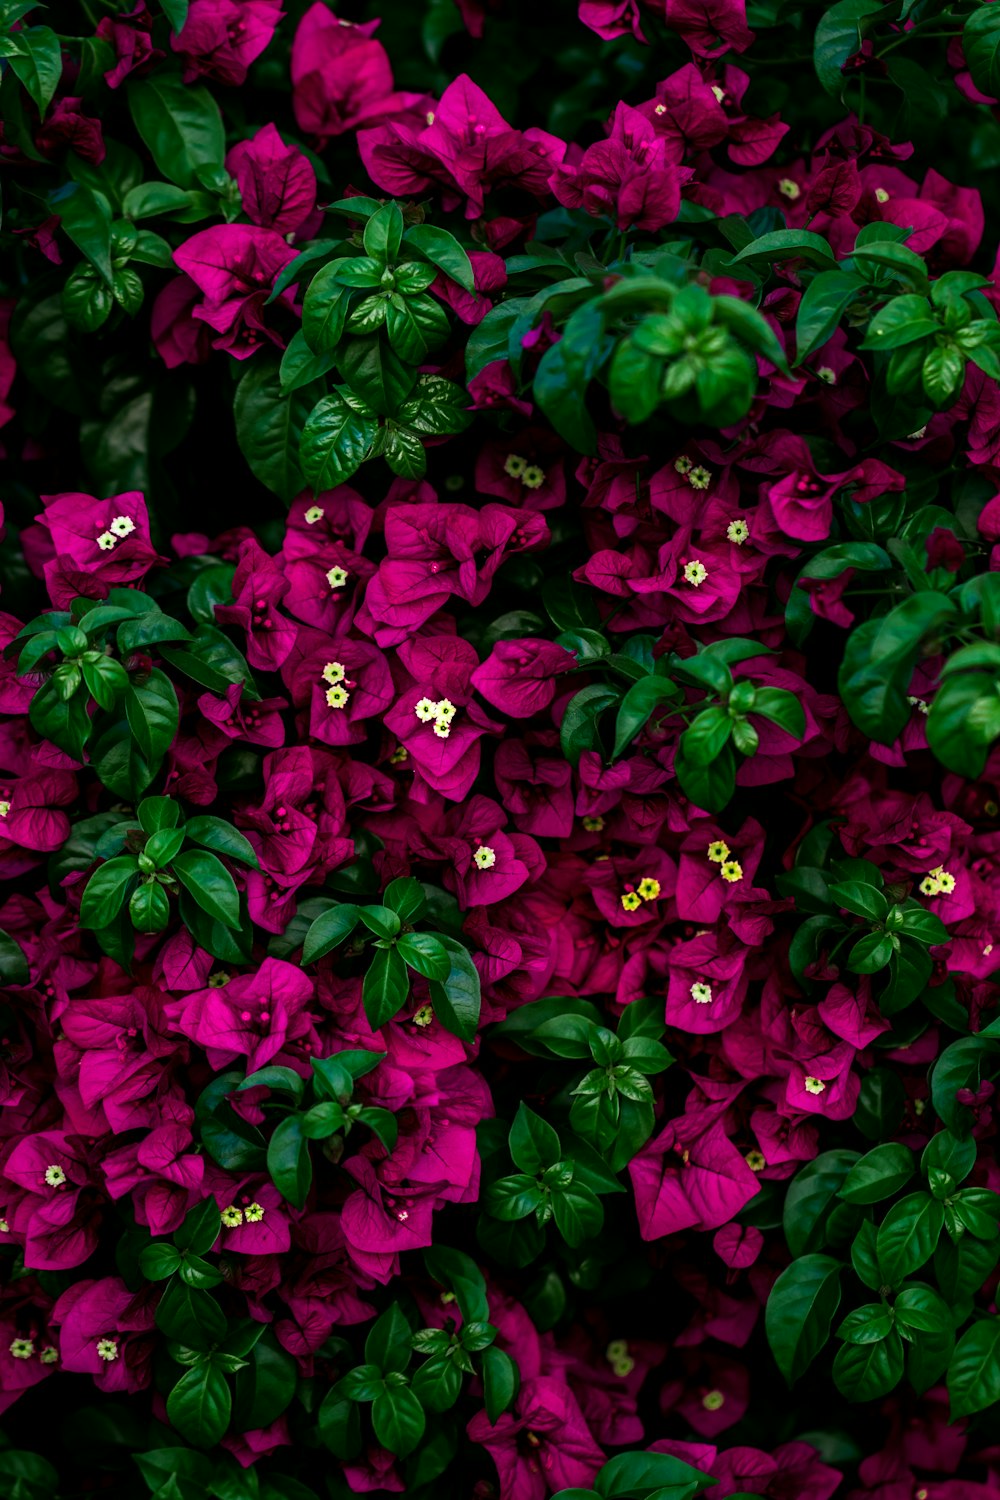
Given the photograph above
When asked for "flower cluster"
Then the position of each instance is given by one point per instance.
(499, 750)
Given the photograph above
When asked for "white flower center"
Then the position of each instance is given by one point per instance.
(815, 1085)
(701, 993)
(738, 531)
(55, 1176)
(107, 1349)
(695, 573)
(313, 514)
(485, 857)
(336, 578)
(122, 526)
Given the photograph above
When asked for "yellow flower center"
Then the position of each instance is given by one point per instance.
(593, 825)
(631, 900)
(700, 478)
(485, 857)
(789, 188)
(232, 1216)
(424, 1016)
(313, 514)
(824, 373)
(336, 578)
(815, 1085)
(701, 993)
(253, 1213)
(337, 697)
(107, 1349)
(533, 477)
(713, 1400)
(732, 871)
(756, 1161)
(22, 1348)
(55, 1176)
(683, 465)
(515, 465)
(649, 888)
(695, 573)
(718, 852)
(738, 531)
(334, 672)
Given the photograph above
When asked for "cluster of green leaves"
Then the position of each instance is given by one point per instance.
(912, 1326)
(319, 1108)
(611, 1103)
(118, 710)
(408, 1408)
(185, 1474)
(371, 319)
(852, 919)
(396, 950)
(159, 854)
(719, 726)
(209, 1350)
(644, 1476)
(559, 1179)
(652, 339)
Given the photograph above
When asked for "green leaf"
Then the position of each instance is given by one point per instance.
(564, 373)
(210, 885)
(878, 1175)
(398, 1420)
(456, 998)
(386, 987)
(105, 892)
(190, 1316)
(415, 325)
(181, 125)
(200, 1229)
(425, 953)
(265, 1386)
(974, 1371)
(86, 217)
(823, 304)
(981, 47)
(501, 1381)
(384, 233)
(866, 1325)
(578, 1213)
(199, 1406)
(534, 1144)
(328, 930)
(800, 1312)
(153, 714)
(964, 722)
(158, 1261)
(921, 1308)
(376, 374)
(787, 244)
(444, 251)
(641, 700)
(908, 1234)
(324, 310)
(657, 1476)
(13, 963)
(578, 730)
(35, 57)
(149, 908)
(269, 426)
(288, 1161)
(863, 1372)
(709, 786)
(336, 440)
(216, 833)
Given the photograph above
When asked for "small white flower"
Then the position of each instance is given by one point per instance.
(22, 1348)
(334, 672)
(485, 857)
(815, 1086)
(107, 540)
(446, 710)
(337, 697)
(442, 728)
(49, 1355)
(789, 188)
(737, 531)
(122, 526)
(426, 710)
(254, 1212)
(313, 514)
(336, 578)
(55, 1176)
(881, 196)
(232, 1217)
(701, 993)
(695, 573)
(719, 93)
(4, 809)
(828, 376)
(107, 1349)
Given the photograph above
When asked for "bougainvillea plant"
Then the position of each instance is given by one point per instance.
(499, 749)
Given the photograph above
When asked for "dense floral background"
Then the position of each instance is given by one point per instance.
(499, 749)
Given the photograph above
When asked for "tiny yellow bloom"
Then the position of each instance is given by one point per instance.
(399, 755)
(334, 672)
(713, 1400)
(107, 1349)
(701, 993)
(592, 825)
(49, 1355)
(695, 573)
(253, 1213)
(424, 1016)
(755, 1160)
(945, 880)
(338, 697)
(631, 900)
(55, 1176)
(828, 376)
(815, 1085)
(738, 531)
(718, 852)
(515, 465)
(22, 1348)
(624, 1366)
(442, 728)
(313, 514)
(732, 871)
(649, 888)
(789, 188)
(485, 857)
(659, 109)
(4, 809)
(232, 1216)
(426, 710)
(122, 526)
(617, 1349)
(107, 540)
(446, 710)
(336, 578)
(533, 477)
(881, 196)
(719, 92)
(700, 478)
(683, 465)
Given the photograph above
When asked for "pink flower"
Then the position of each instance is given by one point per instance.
(252, 1017)
(341, 77)
(277, 183)
(629, 177)
(221, 38)
(106, 1331)
(91, 546)
(544, 1445)
(235, 267)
